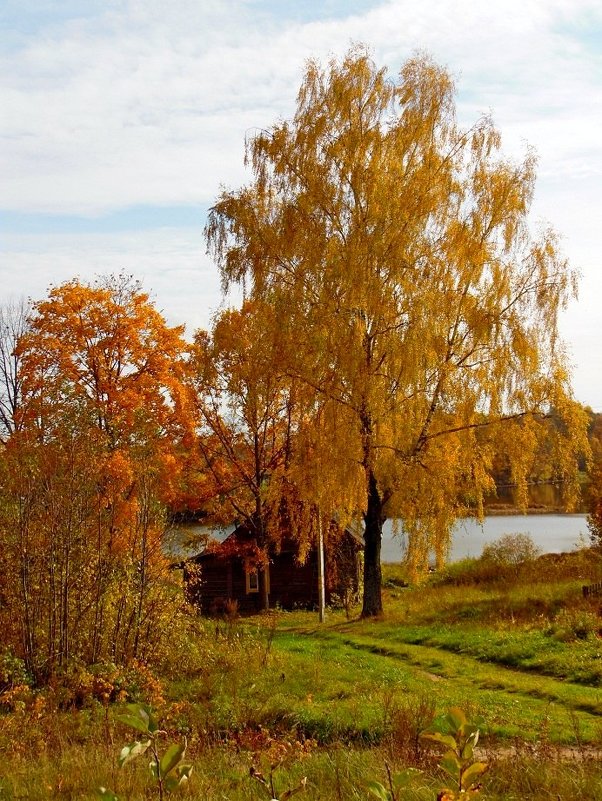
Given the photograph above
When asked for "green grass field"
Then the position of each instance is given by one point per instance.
(337, 702)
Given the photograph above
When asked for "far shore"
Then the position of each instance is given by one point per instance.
(500, 511)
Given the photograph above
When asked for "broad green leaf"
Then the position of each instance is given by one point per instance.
(451, 765)
(139, 710)
(129, 752)
(170, 783)
(467, 752)
(180, 775)
(457, 718)
(134, 722)
(183, 772)
(438, 737)
(470, 744)
(144, 712)
(171, 757)
(440, 724)
(472, 773)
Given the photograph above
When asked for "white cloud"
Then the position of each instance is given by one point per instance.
(170, 263)
(139, 102)
(149, 103)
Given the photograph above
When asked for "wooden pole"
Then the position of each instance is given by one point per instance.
(321, 587)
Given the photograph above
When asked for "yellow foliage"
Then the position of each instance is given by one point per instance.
(411, 301)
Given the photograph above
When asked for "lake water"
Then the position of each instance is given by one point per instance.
(551, 533)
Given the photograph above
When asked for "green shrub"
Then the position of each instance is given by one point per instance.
(167, 769)
(511, 549)
(503, 560)
(575, 624)
(458, 736)
(15, 682)
(12, 671)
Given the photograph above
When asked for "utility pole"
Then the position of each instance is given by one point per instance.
(321, 587)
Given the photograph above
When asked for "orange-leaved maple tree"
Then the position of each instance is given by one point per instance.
(106, 418)
(411, 296)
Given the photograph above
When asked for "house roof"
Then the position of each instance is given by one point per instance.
(243, 542)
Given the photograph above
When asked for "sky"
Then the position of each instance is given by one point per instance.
(121, 120)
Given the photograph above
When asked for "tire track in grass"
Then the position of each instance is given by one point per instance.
(541, 699)
(587, 699)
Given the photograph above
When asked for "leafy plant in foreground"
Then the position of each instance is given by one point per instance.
(459, 736)
(168, 770)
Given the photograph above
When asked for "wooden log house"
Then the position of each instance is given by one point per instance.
(224, 573)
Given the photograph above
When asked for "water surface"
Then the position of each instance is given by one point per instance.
(551, 533)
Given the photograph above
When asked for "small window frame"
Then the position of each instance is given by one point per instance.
(251, 581)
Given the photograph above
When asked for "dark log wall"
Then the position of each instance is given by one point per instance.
(221, 581)
(291, 584)
(211, 582)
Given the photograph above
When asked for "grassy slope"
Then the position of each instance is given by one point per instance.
(358, 688)
(447, 643)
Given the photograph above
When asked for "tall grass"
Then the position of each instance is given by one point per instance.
(335, 703)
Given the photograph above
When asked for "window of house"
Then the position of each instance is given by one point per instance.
(252, 581)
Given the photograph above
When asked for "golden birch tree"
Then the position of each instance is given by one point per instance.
(409, 291)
